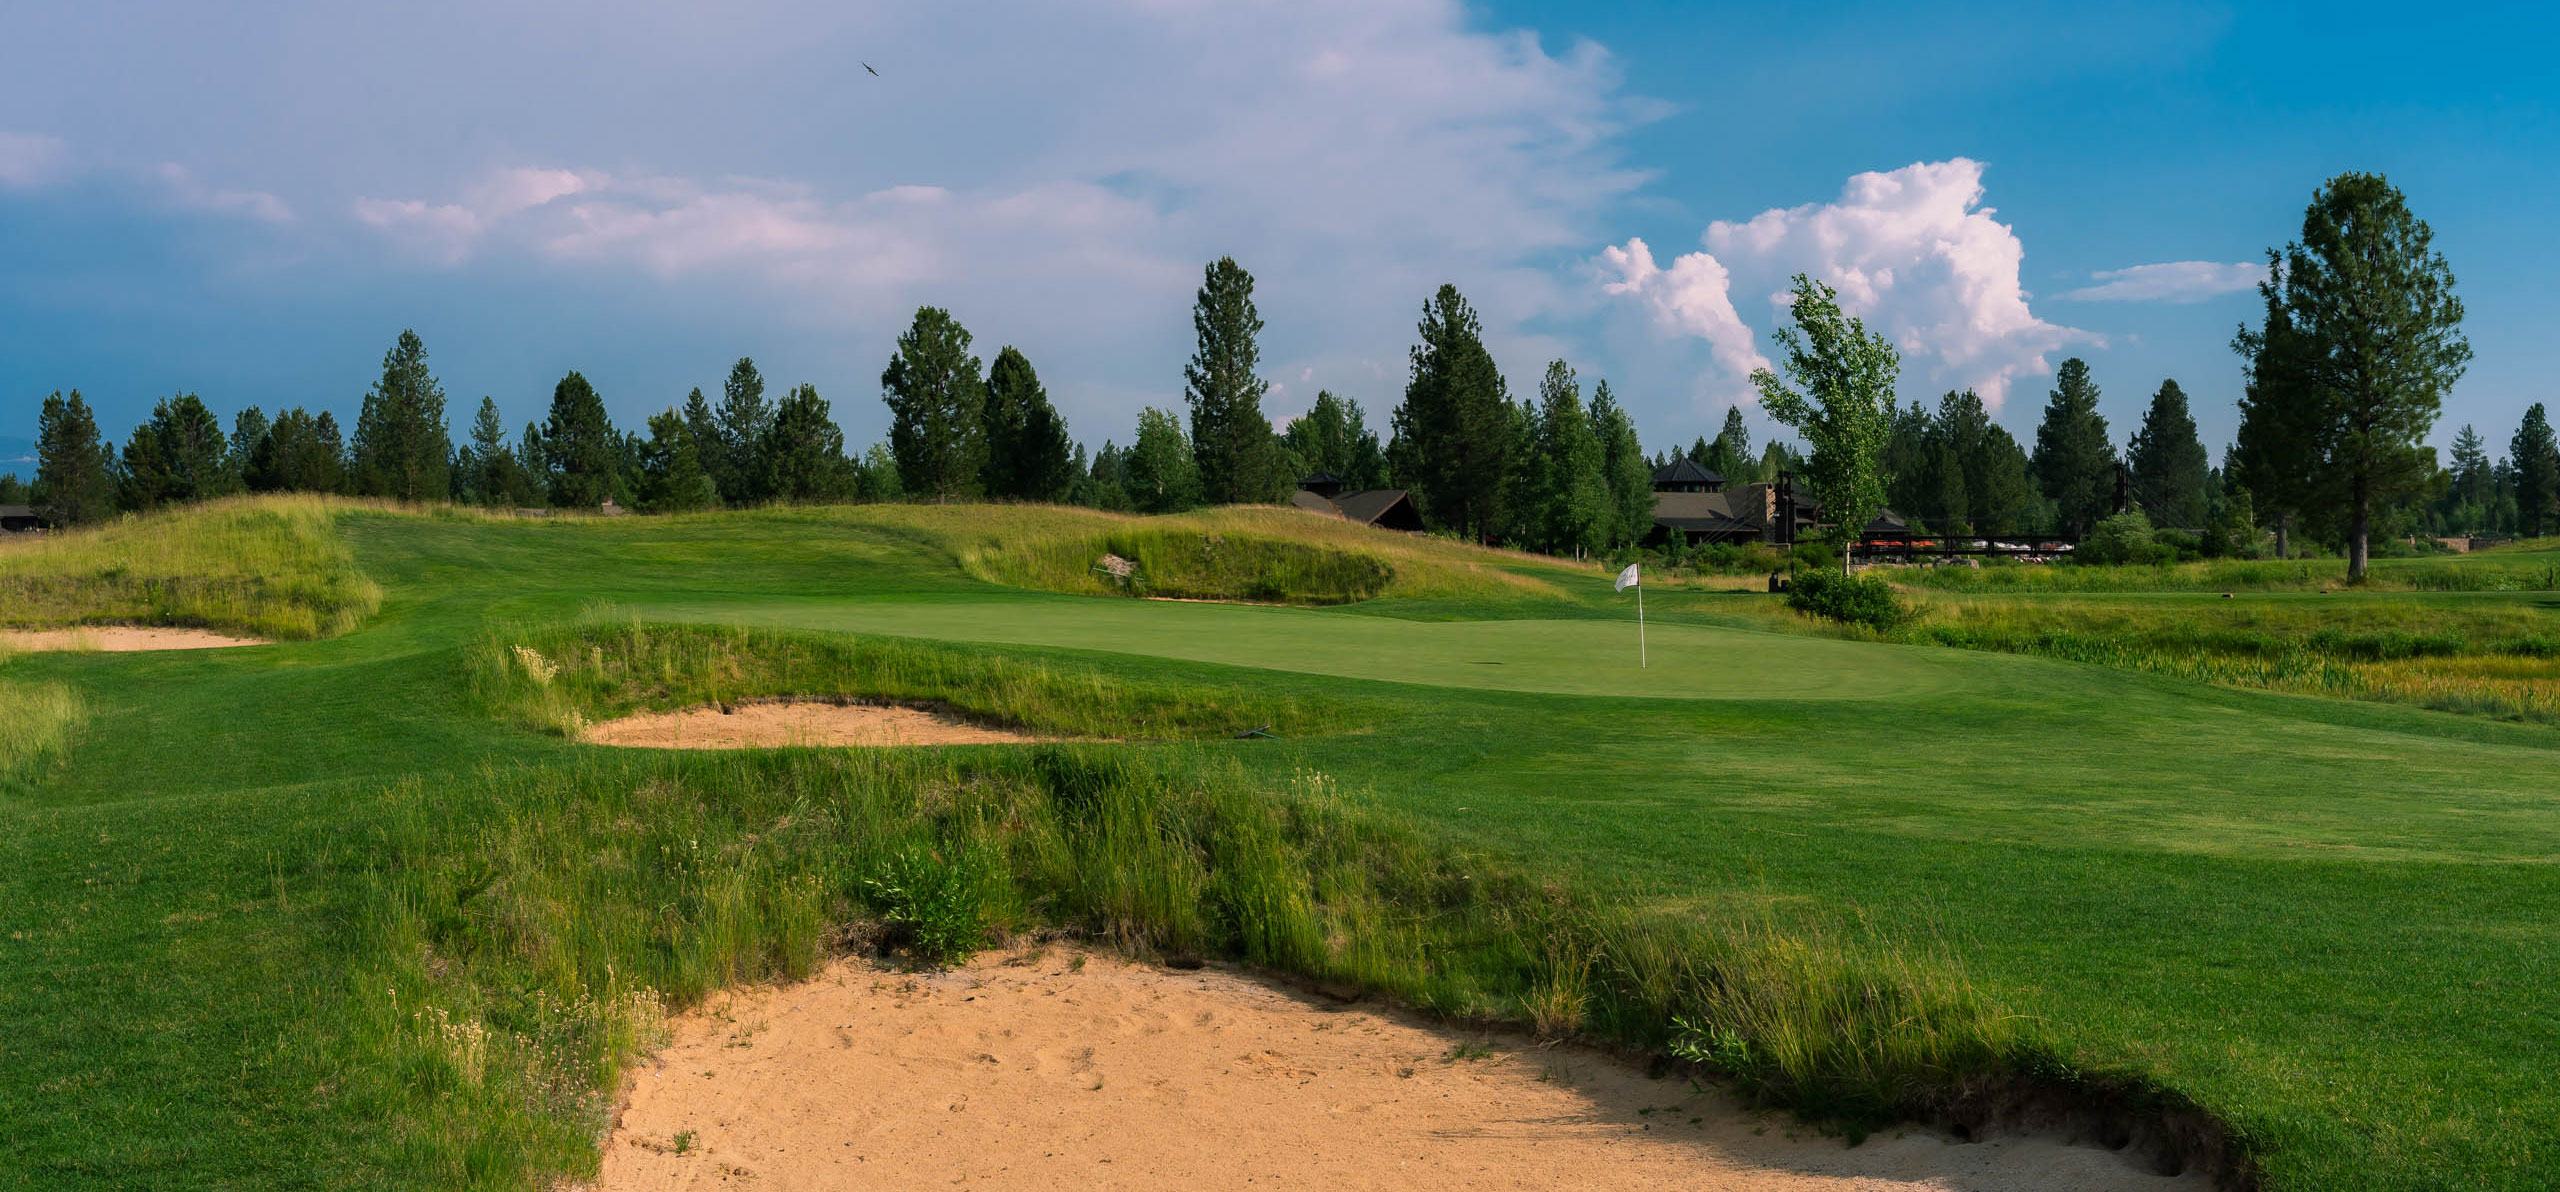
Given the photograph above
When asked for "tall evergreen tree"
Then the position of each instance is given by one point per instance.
(2536, 459)
(1334, 436)
(302, 452)
(1993, 468)
(2075, 460)
(1729, 454)
(937, 408)
(2473, 491)
(2379, 332)
(2168, 461)
(1161, 471)
(75, 475)
(248, 429)
(672, 479)
(403, 448)
(1453, 432)
(581, 455)
(1230, 437)
(2279, 455)
(1575, 515)
(1622, 466)
(1028, 455)
(703, 423)
(745, 419)
(804, 450)
(1844, 407)
(497, 478)
(179, 455)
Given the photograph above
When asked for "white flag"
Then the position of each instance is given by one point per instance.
(1627, 578)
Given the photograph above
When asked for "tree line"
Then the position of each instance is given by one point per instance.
(2343, 377)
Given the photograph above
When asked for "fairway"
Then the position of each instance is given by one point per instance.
(1582, 657)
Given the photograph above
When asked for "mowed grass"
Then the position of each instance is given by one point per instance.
(2332, 924)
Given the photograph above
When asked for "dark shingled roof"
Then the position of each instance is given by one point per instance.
(1385, 508)
(1684, 471)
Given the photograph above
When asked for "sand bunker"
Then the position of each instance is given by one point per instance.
(1061, 1069)
(798, 722)
(120, 638)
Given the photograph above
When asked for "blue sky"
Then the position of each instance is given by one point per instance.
(250, 204)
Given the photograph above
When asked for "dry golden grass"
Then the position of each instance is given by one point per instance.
(270, 566)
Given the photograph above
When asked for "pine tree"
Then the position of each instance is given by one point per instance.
(1161, 472)
(672, 479)
(1028, 455)
(1994, 469)
(804, 450)
(248, 429)
(302, 452)
(1453, 432)
(1729, 455)
(1574, 515)
(1334, 436)
(2378, 328)
(403, 448)
(2075, 460)
(75, 475)
(1622, 467)
(937, 408)
(2281, 450)
(497, 478)
(704, 425)
(580, 454)
(179, 455)
(2473, 492)
(1231, 439)
(2168, 461)
(745, 419)
(2536, 460)
(1844, 407)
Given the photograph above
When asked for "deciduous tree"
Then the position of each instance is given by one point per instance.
(1161, 472)
(1841, 402)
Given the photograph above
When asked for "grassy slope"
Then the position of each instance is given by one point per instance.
(2328, 921)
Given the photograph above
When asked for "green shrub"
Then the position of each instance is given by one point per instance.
(934, 908)
(1849, 599)
(2124, 538)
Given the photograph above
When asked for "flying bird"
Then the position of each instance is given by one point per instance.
(867, 66)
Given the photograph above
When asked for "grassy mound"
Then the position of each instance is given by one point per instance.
(1251, 553)
(266, 566)
(561, 679)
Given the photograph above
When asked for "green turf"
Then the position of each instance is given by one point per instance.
(2335, 924)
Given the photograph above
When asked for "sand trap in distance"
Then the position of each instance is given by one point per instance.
(116, 639)
(1062, 1069)
(767, 724)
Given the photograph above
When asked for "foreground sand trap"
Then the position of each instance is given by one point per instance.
(120, 638)
(1061, 1069)
(798, 722)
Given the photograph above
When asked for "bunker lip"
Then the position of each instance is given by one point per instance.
(1059, 1066)
(782, 721)
(118, 639)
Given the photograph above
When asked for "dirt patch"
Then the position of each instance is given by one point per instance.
(1068, 1069)
(116, 639)
(766, 724)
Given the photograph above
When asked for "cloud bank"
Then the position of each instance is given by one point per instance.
(1912, 251)
(2173, 281)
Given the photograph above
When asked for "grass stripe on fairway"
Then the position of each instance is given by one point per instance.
(1559, 657)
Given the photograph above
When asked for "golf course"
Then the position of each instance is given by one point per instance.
(358, 907)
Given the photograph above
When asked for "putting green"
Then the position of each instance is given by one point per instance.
(1564, 657)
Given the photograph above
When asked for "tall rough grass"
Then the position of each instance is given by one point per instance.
(2482, 573)
(564, 677)
(2493, 659)
(526, 926)
(267, 566)
(37, 721)
(1263, 553)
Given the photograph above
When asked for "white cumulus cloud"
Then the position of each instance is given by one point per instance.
(1912, 251)
(2171, 281)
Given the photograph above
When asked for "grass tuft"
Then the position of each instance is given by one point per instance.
(37, 722)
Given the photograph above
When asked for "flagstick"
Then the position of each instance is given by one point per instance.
(1641, 663)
